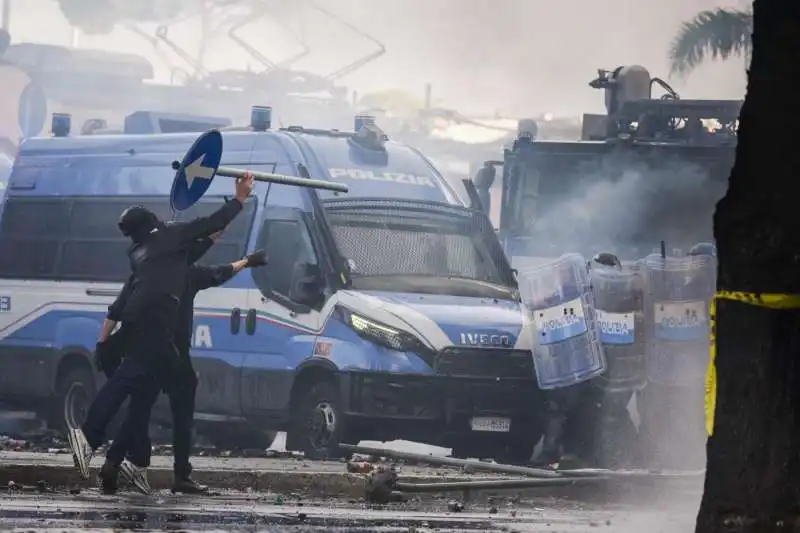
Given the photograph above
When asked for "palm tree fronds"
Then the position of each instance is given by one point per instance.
(719, 33)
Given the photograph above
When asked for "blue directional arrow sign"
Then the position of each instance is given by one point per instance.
(196, 171)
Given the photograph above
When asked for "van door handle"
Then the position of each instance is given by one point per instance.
(236, 320)
(250, 322)
(102, 292)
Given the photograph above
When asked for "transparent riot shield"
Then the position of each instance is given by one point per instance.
(678, 295)
(619, 308)
(567, 347)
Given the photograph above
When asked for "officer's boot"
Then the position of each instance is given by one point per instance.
(109, 478)
(185, 484)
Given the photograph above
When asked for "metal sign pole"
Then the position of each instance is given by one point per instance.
(195, 172)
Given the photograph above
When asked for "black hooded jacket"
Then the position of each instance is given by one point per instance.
(160, 262)
(198, 279)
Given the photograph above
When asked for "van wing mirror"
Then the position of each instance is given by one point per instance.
(308, 285)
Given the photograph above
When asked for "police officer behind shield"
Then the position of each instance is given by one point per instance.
(560, 403)
(182, 386)
(672, 417)
(602, 432)
(159, 263)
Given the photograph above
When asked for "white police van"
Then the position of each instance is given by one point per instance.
(387, 312)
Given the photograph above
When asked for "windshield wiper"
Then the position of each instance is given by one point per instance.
(437, 276)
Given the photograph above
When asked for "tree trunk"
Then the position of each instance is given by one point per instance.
(753, 474)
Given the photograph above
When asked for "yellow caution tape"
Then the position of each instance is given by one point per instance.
(771, 301)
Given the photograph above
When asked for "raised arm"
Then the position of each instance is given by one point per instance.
(203, 227)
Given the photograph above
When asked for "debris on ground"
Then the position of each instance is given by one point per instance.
(360, 467)
(41, 486)
(381, 486)
(455, 506)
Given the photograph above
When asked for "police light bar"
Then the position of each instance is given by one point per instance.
(61, 124)
(260, 118)
(363, 120)
(371, 137)
(149, 122)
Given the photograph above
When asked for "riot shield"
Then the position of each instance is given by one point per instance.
(619, 307)
(678, 294)
(567, 347)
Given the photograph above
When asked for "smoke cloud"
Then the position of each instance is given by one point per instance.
(520, 57)
(628, 209)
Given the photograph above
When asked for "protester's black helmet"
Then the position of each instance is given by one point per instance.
(607, 259)
(137, 221)
(704, 248)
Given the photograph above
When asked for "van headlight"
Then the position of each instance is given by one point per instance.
(379, 333)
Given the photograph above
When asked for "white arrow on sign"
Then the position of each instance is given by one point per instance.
(196, 170)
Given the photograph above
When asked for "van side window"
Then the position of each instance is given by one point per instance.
(289, 247)
(95, 250)
(31, 232)
(77, 238)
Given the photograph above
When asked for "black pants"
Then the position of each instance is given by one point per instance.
(601, 431)
(151, 358)
(181, 400)
(560, 404)
(132, 379)
(181, 389)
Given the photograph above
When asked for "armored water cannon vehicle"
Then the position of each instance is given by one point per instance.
(633, 113)
(650, 169)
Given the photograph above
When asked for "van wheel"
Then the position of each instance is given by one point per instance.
(74, 394)
(233, 438)
(317, 425)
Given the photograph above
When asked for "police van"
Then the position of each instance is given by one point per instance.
(387, 312)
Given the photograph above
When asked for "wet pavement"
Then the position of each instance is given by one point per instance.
(250, 512)
(280, 491)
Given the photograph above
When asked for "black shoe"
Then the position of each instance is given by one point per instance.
(187, 485)
(109, 478)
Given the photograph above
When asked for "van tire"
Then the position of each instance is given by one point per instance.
(317, 425)
(75, 392)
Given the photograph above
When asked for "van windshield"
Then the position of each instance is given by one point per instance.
(419, 247)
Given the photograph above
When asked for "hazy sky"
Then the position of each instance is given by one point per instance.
(516, 56)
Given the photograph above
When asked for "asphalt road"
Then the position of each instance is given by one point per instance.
(668, 510)
(90, 511)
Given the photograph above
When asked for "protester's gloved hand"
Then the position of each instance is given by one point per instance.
(106, 358)
(257, 259)
(99, 352)
(108, 354)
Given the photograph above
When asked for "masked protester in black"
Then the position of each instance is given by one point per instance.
(183, 383)
(160, 267)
